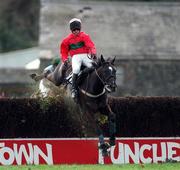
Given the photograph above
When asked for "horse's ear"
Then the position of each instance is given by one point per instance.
(112, 61)
(102, 59)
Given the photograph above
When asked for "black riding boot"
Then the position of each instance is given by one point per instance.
(74, 91)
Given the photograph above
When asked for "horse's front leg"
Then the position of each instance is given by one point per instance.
(112, 127)
(112, 123)
(99, 132)
(102, 144)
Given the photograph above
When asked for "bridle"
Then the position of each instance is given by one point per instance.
(103, 81)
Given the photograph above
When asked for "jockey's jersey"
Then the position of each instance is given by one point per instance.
(76, 44)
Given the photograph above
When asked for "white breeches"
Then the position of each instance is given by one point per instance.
(80, 59)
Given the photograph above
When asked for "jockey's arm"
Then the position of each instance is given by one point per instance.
(91, 46)
(64, 52)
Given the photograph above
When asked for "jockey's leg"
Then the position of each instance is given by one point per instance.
(74, 91)
(86, 61)
(76, 66)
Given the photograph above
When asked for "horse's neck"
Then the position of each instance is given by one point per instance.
(93, 84)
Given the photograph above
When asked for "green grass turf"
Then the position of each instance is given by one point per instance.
(164, 166)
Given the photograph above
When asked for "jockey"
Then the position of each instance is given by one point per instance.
(81, 48)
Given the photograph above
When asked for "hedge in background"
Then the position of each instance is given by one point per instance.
(36, 118)
(147, 116)
(136, 117)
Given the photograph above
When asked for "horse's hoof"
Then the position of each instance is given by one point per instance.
(105, 153)
(112, 142)
(105, 149)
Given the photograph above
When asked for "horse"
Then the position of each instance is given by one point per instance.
(93, 88)
(92, 97)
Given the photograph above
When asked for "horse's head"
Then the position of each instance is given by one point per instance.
(107, 73)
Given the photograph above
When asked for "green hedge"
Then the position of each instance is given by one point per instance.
(36, 118)
(136, 117)
(147, 116)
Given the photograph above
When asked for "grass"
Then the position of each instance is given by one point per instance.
(164, 166)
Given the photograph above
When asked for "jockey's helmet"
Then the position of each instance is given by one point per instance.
(75, 23)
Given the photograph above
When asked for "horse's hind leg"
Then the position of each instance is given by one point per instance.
(112, 129)
(112, 126)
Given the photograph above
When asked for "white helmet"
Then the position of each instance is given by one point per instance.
(75, 23)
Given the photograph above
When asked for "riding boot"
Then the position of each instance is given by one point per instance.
(74, 91)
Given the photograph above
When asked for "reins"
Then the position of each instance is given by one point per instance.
(92, 95)
(99, 77)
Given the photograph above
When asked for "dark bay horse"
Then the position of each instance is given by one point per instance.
(92, 96)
